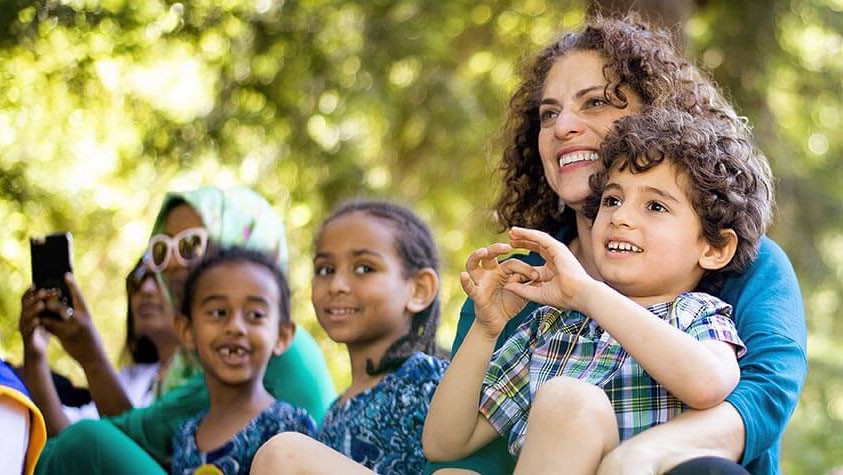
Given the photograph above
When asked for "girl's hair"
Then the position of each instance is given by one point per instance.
(228, 255)
(138, 348)
(638, 57)
(416, 248)
(726, 186)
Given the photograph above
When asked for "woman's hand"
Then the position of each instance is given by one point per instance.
(76, 333)
(35, 337)
(484, 281)
(560, 281)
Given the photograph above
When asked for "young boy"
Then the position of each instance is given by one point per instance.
(681, 202)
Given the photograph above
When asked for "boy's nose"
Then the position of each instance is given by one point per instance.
(623, 215)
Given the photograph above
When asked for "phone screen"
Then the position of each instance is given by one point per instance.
(51, 259)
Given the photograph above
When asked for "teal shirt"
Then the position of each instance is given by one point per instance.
(770, 319)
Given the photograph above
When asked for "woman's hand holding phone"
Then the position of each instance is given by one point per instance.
(76, 333)
(35, 337)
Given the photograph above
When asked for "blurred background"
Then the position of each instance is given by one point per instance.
(107, 104)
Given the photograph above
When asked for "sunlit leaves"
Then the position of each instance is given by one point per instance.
(107, 104)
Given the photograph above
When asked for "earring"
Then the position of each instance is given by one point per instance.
(561, 206)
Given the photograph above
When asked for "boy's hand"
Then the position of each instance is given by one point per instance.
(484, 281)
(559, 282)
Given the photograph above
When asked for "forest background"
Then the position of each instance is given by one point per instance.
(107, 104)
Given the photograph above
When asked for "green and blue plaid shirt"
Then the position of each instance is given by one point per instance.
(534, 353)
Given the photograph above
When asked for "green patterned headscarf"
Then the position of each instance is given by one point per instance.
(233, 217)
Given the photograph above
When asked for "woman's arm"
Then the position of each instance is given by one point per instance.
(35, 371)
(770, 319)
(660, 448)
(82, 342)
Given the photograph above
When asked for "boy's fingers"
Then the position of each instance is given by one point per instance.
(466, 283)
(519, 270)
(474, 259)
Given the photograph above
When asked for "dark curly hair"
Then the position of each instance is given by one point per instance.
(728, 187)
(638, 57)
(416, 248)
(226, 255)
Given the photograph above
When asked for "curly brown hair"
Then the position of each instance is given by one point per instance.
(727, 185)
(637, 56)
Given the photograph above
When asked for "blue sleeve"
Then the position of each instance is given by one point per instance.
(770, 319)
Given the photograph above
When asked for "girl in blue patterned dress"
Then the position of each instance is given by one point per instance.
(237, 314)
(375, 289)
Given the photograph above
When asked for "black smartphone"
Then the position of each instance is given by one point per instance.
(52, 257)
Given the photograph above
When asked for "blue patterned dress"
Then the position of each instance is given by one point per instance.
(235, 456)
(381, 427)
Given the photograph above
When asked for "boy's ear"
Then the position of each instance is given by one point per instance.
(184, 332)
(425, 288)
(286, 332)
(717, 257)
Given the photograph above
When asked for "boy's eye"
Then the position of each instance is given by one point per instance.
(363, 269)
(610, 201)
(323, 270)
(657, 207)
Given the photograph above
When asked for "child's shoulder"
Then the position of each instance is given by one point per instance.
(691, 306)
(283, 416)
(421, 367)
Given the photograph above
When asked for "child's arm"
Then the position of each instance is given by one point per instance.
(454, 428)
(699, 373)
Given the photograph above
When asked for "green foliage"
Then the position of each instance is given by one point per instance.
(107, 104)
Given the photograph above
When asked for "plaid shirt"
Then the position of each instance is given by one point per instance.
(534, 353)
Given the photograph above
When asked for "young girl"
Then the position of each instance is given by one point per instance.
(375, 289)
(236, 310)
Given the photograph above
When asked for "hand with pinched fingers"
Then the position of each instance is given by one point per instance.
(35, 337)
(559, 281)
(484, 280)
(76, 332)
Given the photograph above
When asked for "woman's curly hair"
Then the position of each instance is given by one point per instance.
(727, 186)
(638, 57)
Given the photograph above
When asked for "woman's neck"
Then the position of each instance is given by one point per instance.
(166, 347)
(582, 248)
